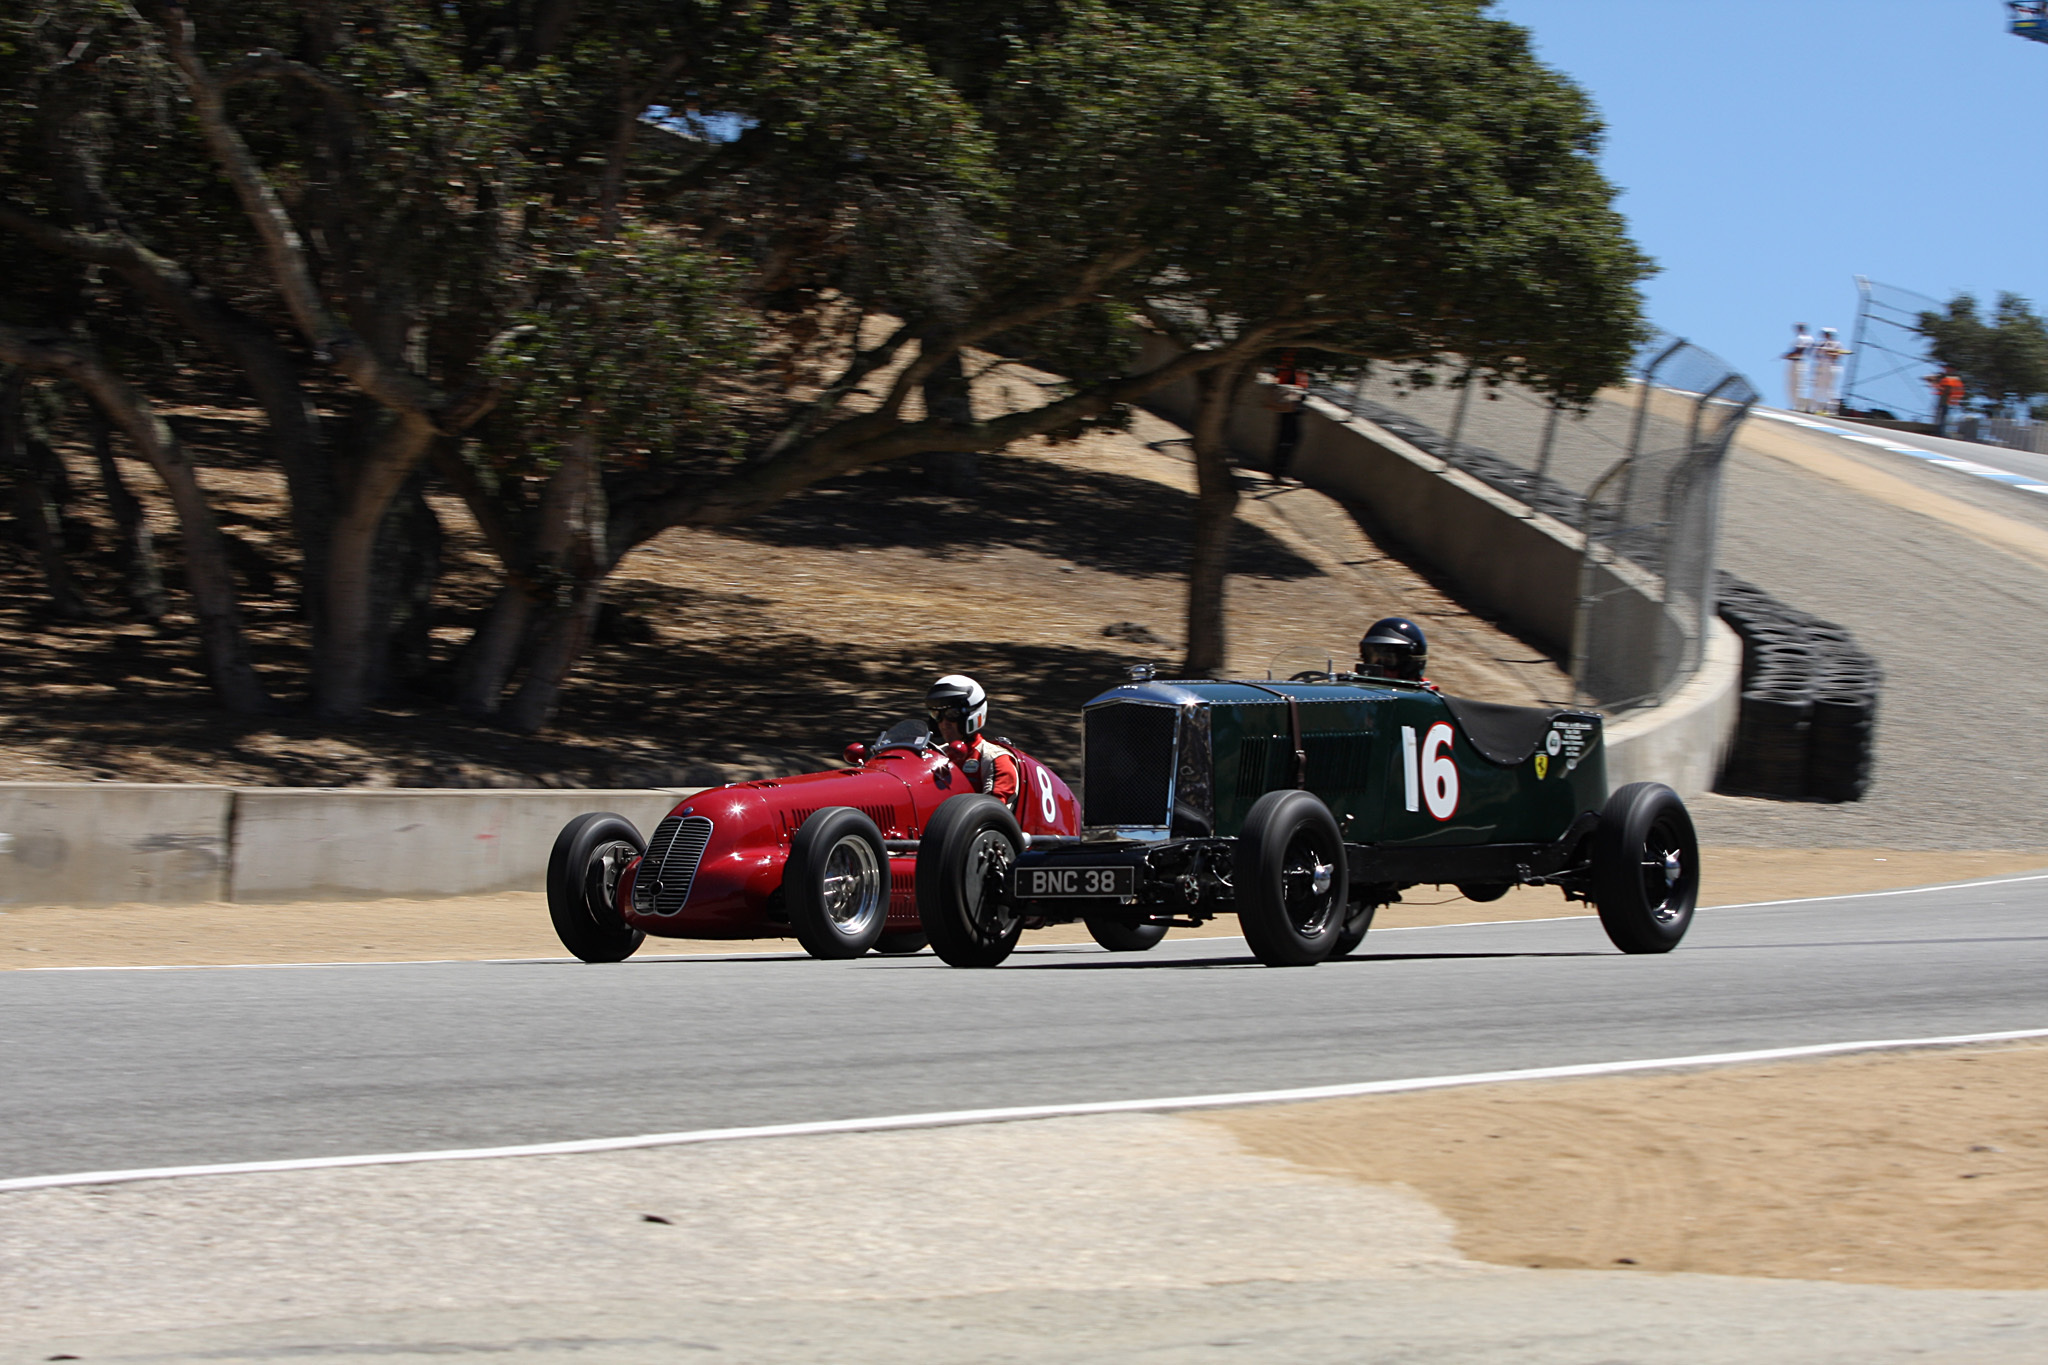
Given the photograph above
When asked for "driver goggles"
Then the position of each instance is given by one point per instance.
(1384, 658)
(956, 714)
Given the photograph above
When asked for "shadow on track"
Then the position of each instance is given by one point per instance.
(1124, 963)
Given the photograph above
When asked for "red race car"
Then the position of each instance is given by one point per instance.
(830, 856)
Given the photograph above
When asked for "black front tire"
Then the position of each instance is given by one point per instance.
(1293, 881)
(836, 883)
(583, 882)
(1646, 868)
(963, 860)
(1124, 936)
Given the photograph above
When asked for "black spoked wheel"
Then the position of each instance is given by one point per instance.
(583, 885)
(903, 942)
(836, 883)
(1353, 932)
(1646, 868)
(1292, 880)
(963, 867)
(1124, 936)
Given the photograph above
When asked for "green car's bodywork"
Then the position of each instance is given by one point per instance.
(1424, 788)
(1362, 742)
(1374, 751)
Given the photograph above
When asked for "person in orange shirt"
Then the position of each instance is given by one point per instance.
(1286, 397)
(1948, 396)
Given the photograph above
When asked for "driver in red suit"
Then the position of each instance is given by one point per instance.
(958, 708)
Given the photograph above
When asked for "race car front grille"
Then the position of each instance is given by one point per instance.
(671, 865)
(1127, 765)
(1337, 763)
(1264, 763)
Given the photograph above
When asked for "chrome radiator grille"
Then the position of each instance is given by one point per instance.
(671, 865)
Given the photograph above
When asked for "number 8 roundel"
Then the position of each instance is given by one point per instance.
(1046, 805)
(1439, 772)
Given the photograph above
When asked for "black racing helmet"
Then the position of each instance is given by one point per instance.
(1394, 647)
(958, 698)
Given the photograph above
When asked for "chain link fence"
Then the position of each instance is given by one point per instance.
(1636, 473)
(1888, 365)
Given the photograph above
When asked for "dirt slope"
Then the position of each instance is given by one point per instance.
(760, 649)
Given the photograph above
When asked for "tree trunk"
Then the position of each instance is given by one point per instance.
(264, 364)
(948, 398)
(404, 573)
(343, 686)
(294, 432)
(493, 651)
(142, 574)
(222, 644)
(570, 549)
(565, 632)
(35, 511)
(1215, 513)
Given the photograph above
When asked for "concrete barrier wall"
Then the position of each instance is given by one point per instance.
(1502, 557)
(104, 843)
(1683, 742)
(109, 843)
(313, 844)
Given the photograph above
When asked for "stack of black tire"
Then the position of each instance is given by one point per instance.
(1809, 702)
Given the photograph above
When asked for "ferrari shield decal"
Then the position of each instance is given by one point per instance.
(1542, 766)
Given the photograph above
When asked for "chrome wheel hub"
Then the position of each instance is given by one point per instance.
(852, 884)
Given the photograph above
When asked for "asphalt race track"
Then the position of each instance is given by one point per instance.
(119, 1069)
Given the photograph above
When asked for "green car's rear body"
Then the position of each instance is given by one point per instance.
(1189, 759)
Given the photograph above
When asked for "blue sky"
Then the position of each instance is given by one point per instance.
(1770, 150)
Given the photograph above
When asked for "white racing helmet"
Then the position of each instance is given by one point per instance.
(958, 698)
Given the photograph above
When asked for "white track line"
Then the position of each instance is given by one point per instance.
(2026, 483)
(962, 1117)
(1873, 895)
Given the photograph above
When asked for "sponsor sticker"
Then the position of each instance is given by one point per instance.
(1568, 740)
(1542, 766)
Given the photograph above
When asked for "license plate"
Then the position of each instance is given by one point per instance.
(1046, 883)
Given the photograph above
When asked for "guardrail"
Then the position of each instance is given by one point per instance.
(1636, 472)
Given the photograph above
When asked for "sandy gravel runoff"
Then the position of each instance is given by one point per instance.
(1809, 1191)
(1923, 1170)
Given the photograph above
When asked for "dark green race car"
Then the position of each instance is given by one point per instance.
(1302, 807)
